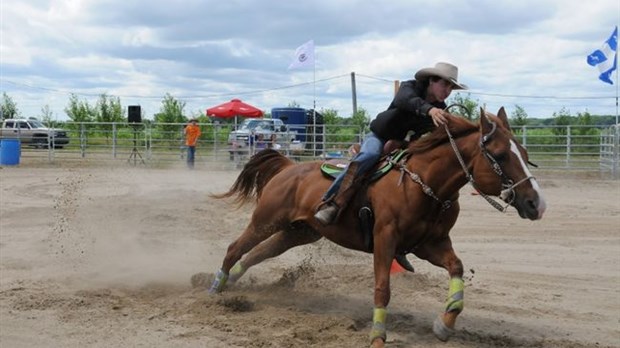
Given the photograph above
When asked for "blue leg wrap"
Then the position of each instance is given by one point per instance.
(219, 282)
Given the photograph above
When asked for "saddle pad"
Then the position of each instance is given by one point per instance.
(333, 167)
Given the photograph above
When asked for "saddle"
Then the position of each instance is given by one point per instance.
(333, 167)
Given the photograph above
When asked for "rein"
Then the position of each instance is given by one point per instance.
(507, 193)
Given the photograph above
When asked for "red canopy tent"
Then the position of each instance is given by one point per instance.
(234, 108)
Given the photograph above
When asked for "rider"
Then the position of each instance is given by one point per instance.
(418, 106)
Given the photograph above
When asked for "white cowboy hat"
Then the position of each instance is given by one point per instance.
(446, 71)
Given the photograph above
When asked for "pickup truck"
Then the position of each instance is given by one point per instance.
(264, 132)
(33, 132)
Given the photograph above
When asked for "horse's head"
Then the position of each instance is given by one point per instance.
(505, 172)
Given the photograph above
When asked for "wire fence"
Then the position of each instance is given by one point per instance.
(587, 148)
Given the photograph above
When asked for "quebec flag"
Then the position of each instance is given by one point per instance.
(304, 56)
(605, 59)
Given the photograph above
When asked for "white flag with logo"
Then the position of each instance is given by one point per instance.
(304, 56)
(606, 58)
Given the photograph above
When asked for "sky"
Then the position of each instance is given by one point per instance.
(530, 53)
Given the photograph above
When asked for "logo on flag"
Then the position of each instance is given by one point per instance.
(304, 56)
(605, 59)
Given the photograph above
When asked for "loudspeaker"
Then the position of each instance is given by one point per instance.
(134, 114)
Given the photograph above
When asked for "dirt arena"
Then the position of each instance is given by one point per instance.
(102, 257)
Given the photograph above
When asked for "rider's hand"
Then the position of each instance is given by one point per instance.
(439, 116)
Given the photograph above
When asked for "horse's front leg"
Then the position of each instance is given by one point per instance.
(441, 254)
(384, 251)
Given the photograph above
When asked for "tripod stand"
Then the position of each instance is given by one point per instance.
(134, 152)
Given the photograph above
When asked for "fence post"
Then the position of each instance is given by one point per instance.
(50, 147)
(616, 152)
(524, 136)
(568, 145)
(114, 140)
(148, 134)
(82, 141)
(215, 149)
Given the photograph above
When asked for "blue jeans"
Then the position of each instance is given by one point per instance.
(191, 155)
(367, 158)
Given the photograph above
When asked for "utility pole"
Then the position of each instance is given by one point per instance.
(353, 93)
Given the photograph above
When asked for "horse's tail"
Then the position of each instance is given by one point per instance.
(255, 175)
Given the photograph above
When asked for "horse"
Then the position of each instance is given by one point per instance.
(415, 205)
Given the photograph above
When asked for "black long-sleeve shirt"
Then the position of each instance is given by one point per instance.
(408, 111)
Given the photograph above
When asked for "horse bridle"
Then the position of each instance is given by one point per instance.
(507, 193)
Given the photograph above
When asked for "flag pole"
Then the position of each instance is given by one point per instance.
(314, 102)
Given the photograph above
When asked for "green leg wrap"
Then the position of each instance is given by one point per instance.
(219, 282)
(236, 272)
(455, 295)
(378, 324)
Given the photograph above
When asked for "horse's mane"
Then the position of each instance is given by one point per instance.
(458, 126)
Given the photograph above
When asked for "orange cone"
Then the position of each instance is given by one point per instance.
(396, 268)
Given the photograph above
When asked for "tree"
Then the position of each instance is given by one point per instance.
(561, 118)
(585, 121)
(330, 116)
(360, 118)
(338, 136)
(108, 110)
(47, 116)
(79, 111)
(8, 108)
(519, 116)
(471, 109)
(171, 111)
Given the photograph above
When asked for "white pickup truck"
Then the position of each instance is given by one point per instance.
(257, 133)
(33, 132)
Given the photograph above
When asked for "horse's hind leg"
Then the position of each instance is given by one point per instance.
(441, 254)
(272, 247)
(251, 237)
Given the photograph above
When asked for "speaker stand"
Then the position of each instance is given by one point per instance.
(134, 152)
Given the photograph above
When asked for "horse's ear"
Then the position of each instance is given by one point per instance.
(501, 114)
(485, 124)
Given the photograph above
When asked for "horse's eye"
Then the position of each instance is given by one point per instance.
(500, 156)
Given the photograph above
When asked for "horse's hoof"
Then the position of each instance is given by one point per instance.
(441, 331)
(377, 343)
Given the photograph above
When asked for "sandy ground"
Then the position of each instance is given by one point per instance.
(102, 257)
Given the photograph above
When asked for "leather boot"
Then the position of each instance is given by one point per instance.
(331, 208)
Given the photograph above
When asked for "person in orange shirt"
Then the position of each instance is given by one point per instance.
(192, 133)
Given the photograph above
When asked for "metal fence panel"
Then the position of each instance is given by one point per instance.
(576, 148)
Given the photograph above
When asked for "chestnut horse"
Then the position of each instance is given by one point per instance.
(415, 206)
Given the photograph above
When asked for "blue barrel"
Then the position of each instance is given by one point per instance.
(10, 150)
